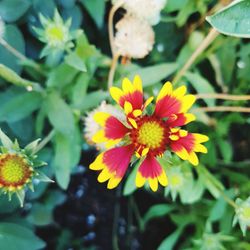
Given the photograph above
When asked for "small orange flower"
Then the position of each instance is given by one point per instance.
(145, 135)
(15, 172)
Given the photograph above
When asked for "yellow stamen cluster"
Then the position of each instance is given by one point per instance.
(151, 134)
(15, 172)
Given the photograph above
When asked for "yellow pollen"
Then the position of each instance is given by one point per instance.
(13, 170)
(55, 34)
(246, 213)
(151, 134)
(176, 180)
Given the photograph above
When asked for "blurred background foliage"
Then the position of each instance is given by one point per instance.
(50, 94)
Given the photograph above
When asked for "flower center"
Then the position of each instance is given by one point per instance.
(14, 171)
(150, 134)
(55, 35)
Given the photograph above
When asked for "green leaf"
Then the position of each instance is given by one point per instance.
(40, 215)
(201, 85)
(75, 61)
(130, 186)
(96, 9)
(157, 211)
(61, 76)
(217, 210)
(14, 37)
(8, 9)
(20, 106)
(153, 74)
(225, 149)
(192, 192)
(169, 242)
(16, 237)
(92, 100)
(233, 20)
(5, 140)
(67, 155)
(59, 113)
(8, 207)
(79, 91)
(11, 76)
(212, 184)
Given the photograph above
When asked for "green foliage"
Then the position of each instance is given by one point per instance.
(233, 20)
(46, 91)
(14, 236)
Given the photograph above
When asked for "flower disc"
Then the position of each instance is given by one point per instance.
(15, 171)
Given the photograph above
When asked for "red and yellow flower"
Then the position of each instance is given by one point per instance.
(145, 135)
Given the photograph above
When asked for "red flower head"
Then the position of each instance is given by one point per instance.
(147, 136)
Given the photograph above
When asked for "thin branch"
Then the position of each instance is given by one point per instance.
(20, 56)
(44, 142)
(223, 97)
(223, 109)
(112, 70)
(114, 8)
(205, 43)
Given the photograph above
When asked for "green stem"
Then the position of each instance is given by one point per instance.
(20, 56)
(43, 143)
(137, 214)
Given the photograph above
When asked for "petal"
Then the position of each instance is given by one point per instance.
(101, 117)
(163, 179)
(128, 108)
(200, 138)
(171, 101)
(139, 180)
(153, 183)
(187, 145)
(167, 105)
(150, 170)
(138, 83)
(148, 101)
(127, 86)
(187, 102)
(193, 159)
(113, 163)
(116, 93)
(130, 92)
(181, 119)
(200, 148)
(165, 90)
(180, 92)
(137, 112)
(112, 130)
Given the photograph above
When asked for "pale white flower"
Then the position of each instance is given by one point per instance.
(145, 9)
(2, 27)
(134, 37)
(92, 127)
